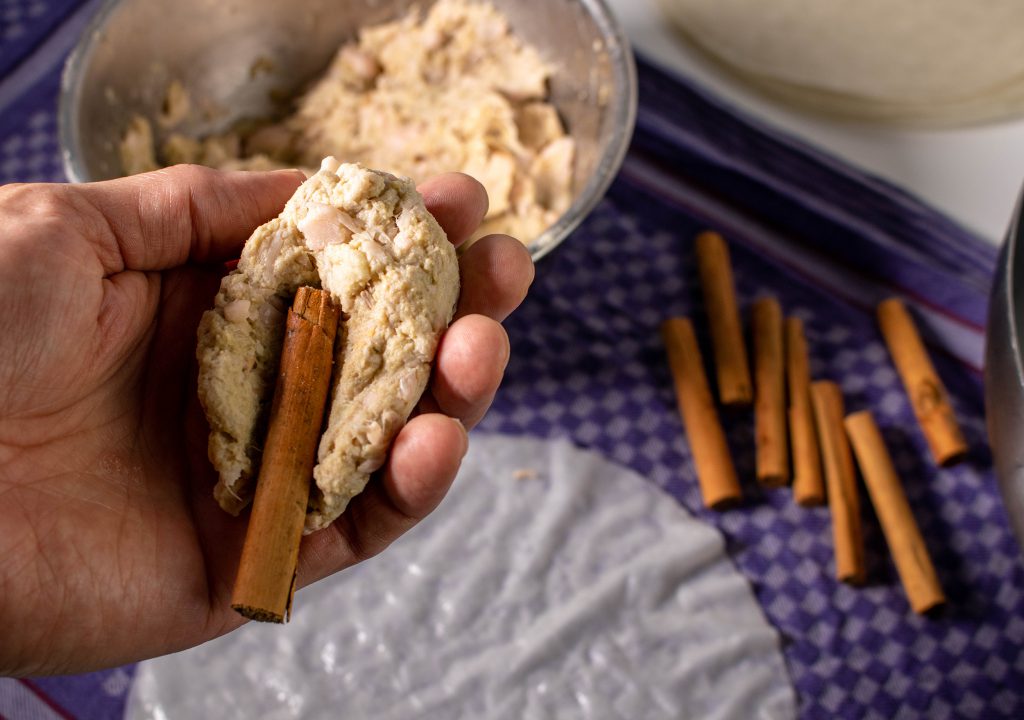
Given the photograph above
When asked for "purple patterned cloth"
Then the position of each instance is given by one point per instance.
(588, 365)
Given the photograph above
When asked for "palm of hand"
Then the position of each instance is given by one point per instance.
(111, 547)
(93, 434)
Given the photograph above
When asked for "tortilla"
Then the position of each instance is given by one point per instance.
(946, 62)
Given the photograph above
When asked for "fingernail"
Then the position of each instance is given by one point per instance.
(295, 172)
(508, 353)
(465, 435)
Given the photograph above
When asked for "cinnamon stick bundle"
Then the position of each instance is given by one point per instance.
(265, 583)
(843, 502)
(927, 394)
(909, 552)
(730, 351)
(770, 394)
(715, 472)
(808, 483)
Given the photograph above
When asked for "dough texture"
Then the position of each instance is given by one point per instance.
(366, 237)
(450, 89)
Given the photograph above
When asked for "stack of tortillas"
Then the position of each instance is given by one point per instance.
(943, 62)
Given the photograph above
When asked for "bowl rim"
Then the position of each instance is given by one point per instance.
(622, 117)
(71, 92)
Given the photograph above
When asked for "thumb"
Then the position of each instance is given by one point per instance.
(162, 219)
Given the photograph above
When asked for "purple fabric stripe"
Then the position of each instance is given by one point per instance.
(813, 230)
(45, 699)
(779, 181)
(810, 171)
(19, 702)
(963, 341)
(92, 696)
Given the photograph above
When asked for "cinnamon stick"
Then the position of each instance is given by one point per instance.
(730, 351)
(844, 505)
(769, 394)
(808, 483)
(715, 472)
(265, 583)
(901, 532)
(927, 394)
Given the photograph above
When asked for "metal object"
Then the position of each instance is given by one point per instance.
(240, 58)
(1004, 372)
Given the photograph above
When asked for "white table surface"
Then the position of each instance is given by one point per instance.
(972, 174)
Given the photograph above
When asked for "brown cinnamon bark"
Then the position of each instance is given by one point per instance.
(844, 505)
(927, 394)
(715, 471)
(770, 394)
(265, 583)
(730, 351)
(808, 483)
(909, 552)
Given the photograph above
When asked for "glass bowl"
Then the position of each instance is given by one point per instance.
(132, 50)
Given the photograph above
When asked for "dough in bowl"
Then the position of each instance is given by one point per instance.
(366, 237)
(445, 87)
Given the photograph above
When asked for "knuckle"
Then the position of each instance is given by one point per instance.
(191, 174)
(195, 187)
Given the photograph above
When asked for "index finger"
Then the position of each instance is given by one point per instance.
(457, 202)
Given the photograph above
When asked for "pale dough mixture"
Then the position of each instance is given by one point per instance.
(366, 237)
(451, 90)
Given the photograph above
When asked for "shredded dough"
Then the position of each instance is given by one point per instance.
(454, 90)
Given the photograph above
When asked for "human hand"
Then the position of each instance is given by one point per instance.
(112, 548)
